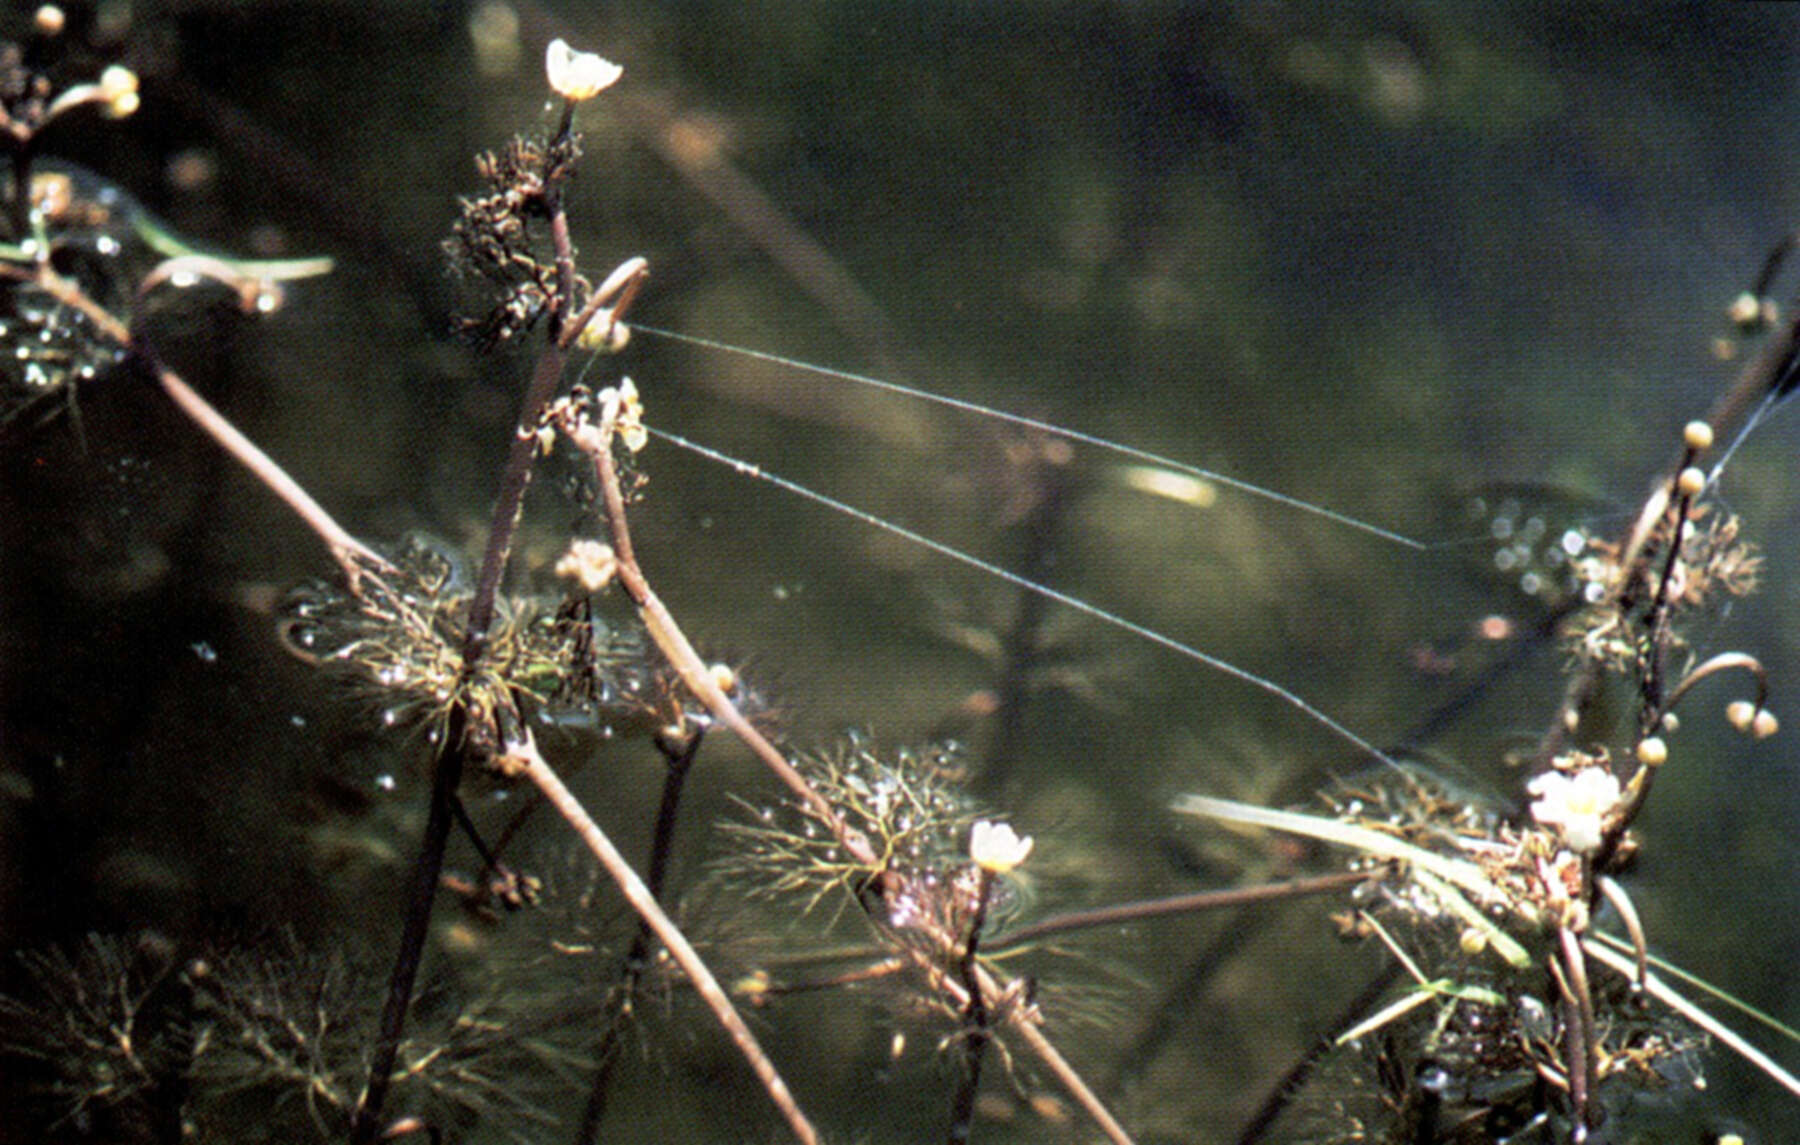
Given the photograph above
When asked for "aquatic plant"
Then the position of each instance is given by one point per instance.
(970, 890)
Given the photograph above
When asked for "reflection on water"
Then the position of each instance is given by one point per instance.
(1382, 260)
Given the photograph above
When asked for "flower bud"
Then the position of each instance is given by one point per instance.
(118, 89)
(1746, 311)
(1764, 724)
(603, 334)
(1739, 713)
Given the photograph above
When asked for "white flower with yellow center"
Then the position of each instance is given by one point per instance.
(578, 75)
(996, 847)
(1576, 803)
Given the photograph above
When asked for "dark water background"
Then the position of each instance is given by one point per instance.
(1376, 256)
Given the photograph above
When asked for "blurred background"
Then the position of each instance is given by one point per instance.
(1430, 266)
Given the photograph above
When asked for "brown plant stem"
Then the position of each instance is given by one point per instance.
(354, 557)
(539, 773)
(1579, 1035)
(687, 663)
(693, 672)
(679, 755)
(515, 479)
(1024, 1022)
(447, 775)
(1070, 1080)
(1179, 904)
(365, 1123)
(975, 1017)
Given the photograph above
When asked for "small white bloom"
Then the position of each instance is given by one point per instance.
(1576, 803)
(578, 75)
(621, 409)
(996, 847)
(589, 563)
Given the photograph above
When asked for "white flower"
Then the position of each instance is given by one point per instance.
(578, 75)
(621, 409)
(996, 847)
(589, 563)
(1576, 803)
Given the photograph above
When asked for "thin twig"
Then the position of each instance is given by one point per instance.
(1181, 904)
(533, 768)
(1668, 996)
(426, 871)
(354, 557)
(679, 756)
(700, 682)
(687, 663)
(447, 775)
(975, 1017)
(1579, 1036)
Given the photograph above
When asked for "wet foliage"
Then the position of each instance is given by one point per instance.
(1461, 274)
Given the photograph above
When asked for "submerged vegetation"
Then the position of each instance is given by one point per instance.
(534, 816)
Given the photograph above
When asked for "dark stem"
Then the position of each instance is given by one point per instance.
(516, 478)
(975, 1018)
(1295, 1079)
(365, 1125)
(460, 812)
(21, 154)
(1658, 638)
(498, 880)
(1047, 474)
(514, 481)
(679, 755)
